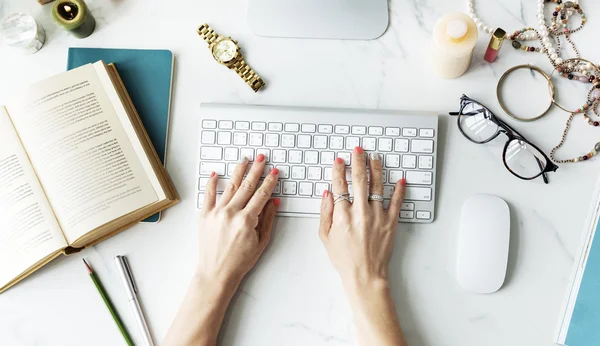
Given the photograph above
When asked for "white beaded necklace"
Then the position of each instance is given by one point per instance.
(543, 31)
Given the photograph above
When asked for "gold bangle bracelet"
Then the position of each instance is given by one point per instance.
(533, 68)
(552, 74)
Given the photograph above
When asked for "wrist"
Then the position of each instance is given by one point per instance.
(215, 284)
(366, 286)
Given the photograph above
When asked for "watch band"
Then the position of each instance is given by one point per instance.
(207, 33)
(248, 74)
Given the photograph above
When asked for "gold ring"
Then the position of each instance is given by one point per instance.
(581, 110)
(533, 68)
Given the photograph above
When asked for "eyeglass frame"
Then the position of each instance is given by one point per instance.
(511, 133)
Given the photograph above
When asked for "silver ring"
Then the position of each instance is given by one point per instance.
(378, 198)
(342, 197)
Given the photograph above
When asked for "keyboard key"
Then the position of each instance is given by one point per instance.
(298, 205)
(276, 127)
(209, 124)
(231, 168)
(407, 214)
(409, 161)
(240, 138)
(369, 143)
(409, 132)
(289, 187)
(291, 127)
(266, 171)
(392, 131)
(231, 154)
(320, 142)
(336, 142)
(271, 140)
(309, 128)
(426, 133)
(305, 188)
(425, 162)
(314, 173)
(376, 131)
(408, 206)
(288, 141)
(208, 137)
(311, 157)
(211, 153)
(392, 161)
(359, 130)
(385, 144)
(328, 174)
(242, 125)
(284, 172)
(350, 190)
(279, 156)
(342, 129)
(423, 215)
(304, 141)
(226, 125)
(395, 176)
(422, 146)
(259, 126)
(349, 175)
(327, 157)
(401, 145)
(388, 191)
(277, 189)
(224, 138)
(419, 178)
(206, 168)
(295, 156)
(418, 193)
(299, 172)
(266, 152)
(352, 142)
(384, 174)
(247, 153)
(346, 157)
(319, 188)
(325, 128)
(256, 139)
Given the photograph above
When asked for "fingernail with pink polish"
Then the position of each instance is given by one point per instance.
(403, 182)
(325, 193)
(359, 150)
(277, 202)
(339, 160)
(260, 158)
(213, 174)
(275, 171)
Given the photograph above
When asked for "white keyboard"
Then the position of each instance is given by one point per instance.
(304, 142)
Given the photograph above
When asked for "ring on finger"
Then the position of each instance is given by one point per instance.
(342, 197)
(378, 198)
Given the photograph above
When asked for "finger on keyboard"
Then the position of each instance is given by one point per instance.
(375, 180)
(249, 184)
(264, 192)
(236, 180)
(359, 176)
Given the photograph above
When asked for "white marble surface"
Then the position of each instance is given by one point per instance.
(294, 297)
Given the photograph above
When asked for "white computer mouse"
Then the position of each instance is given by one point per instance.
(483, 243)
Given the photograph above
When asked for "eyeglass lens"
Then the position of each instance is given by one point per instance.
(523, 159)
(476, 124)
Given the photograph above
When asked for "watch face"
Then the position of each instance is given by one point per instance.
(224, 50)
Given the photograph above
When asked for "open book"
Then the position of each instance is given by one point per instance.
(76, 167)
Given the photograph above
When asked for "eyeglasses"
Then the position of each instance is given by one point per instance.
(521, 157)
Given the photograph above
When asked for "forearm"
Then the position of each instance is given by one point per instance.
(201, 314)
(374, 313)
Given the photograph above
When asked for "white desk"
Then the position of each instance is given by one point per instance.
(294, 297)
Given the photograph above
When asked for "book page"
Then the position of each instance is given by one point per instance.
(83, 157)
(29, 231)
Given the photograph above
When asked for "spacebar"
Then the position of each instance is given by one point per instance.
(299, 205)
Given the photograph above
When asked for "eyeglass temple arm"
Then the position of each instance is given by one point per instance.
(544, 175)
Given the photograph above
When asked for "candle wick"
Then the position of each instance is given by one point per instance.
(67, 8)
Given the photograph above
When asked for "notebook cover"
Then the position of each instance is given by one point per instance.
(583, 329)
(147, 75)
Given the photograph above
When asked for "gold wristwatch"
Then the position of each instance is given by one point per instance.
(227, 52)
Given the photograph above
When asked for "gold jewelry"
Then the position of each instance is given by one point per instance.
(577, 61)
(226, 51)
(532, 68)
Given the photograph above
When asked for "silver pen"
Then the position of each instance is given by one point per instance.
(131, 290)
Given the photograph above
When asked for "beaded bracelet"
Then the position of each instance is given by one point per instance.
(532, 68)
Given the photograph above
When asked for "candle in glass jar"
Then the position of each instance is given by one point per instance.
(74, 16)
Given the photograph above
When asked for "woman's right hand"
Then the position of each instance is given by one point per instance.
(359, 236)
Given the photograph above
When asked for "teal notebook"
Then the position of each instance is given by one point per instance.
(148, 77)
(580, 320)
